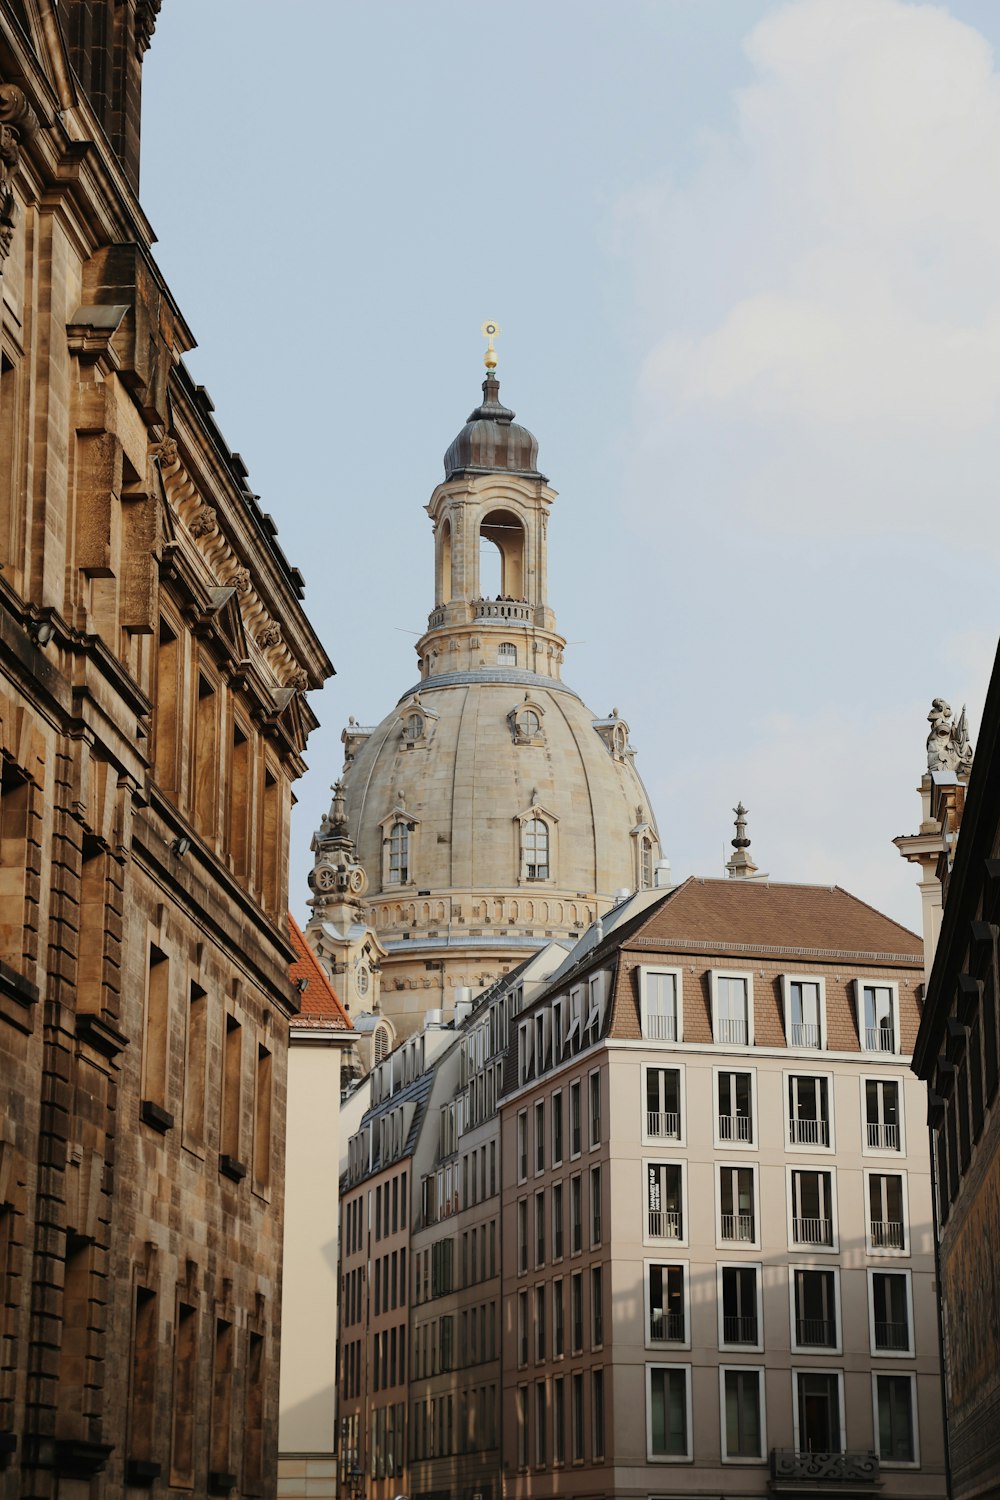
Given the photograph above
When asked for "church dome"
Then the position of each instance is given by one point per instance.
(492, 440)
(491, 811)
(520, 815)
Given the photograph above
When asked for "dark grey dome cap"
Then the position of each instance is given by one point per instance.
(491, 440)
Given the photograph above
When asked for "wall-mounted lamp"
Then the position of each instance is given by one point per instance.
(181, 844)
(301, 985)
(41, 632)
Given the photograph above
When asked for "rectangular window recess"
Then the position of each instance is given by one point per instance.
(16, 987)
(141, 1471)
(8, 1446)
(154, 1114)
(230, 1167)
(220, 1483)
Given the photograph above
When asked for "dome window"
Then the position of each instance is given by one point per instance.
(399, 854)
(381, 1043)
(526, 723)
(536, 849)
(417, 723)
(506, 654)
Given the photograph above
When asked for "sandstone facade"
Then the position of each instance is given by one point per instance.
(153, 659)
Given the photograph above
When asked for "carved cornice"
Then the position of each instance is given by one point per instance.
(202, 524)
(17, 123)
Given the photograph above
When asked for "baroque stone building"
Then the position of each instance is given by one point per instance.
(490, 811)
(154, 656)
(957, 1055)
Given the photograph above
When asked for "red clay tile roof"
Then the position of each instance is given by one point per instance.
(823, 920)
(319, 1005)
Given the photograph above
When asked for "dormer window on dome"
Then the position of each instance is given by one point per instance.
(536, 843)
(526, 723)
(399, 831)
(614, 732)
(418, 723)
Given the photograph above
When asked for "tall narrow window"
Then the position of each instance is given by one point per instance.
(882, 1114)
(879, 1018)
(733, 1011)
(668, 1414)
(737, 1219)
(891, 1312)
(742, 1415)
(205, 768)
(142, 1402)
(815, 1309)
(663, 1103)
(595, 1109)
(887, 1220)
(240, 798)
(399, 854)
(521, 1420)
(541, 1413)
(577, 1417)
(232, 1077)
(660, 1011)
(506, 654)
(271, 853)
(805, 1021)
(558, 1421)
(15, 796)
(220, 1429)
(156, 1042)
(77, 1334)
(597, 1306)
(11, 517)
(818, 1409)
(666, 1304)
(184, 1396)
(253, 1421)
(194, 1068)
(740, 1321)
(896, 1437)
(736, 1107)
(597, 1411)
(536, 849)
(166, 710)
(262, 1121)
(808, 1111)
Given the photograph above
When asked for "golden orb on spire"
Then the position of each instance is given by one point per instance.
(490, 330)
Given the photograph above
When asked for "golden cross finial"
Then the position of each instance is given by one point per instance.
(490, 330)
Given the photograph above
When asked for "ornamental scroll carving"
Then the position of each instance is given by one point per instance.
(224, 566)
(17, 123)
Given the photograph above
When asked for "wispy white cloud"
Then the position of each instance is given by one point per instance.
(825, 277)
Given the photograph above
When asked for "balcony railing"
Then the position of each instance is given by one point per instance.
(661, 1026)
(818, 1333)
(501, 609)
(663, 1123)
(664, 1224)
(732, 1031)
(883, 1137)
(887, 1234)
(891, 1335)
(738, 1227)
(809, 1132)
(666, 1327)
(826, 1468)
(804, 1034)
(880, 1039)
(739, 1330)
(812, 1231)
(735, 1128)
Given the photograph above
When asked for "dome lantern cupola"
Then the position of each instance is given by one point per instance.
(492, 441)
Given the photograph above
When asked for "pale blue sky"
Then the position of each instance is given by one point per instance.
(744, 256)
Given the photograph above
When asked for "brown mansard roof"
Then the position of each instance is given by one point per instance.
(319, 1005)
(765, 916)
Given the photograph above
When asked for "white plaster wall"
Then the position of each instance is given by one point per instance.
(308, 1390)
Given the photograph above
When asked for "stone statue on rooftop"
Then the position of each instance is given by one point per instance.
(948, 746)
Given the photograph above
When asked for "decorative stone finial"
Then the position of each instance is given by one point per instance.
(740, 865)
(948, 745)
(490, 330)
(17, 123)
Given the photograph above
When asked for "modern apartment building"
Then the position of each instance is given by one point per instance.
(717, 1270)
